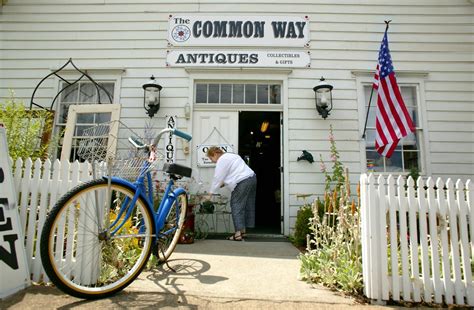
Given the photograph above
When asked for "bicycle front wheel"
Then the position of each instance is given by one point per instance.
(169, 236)
(95, 242)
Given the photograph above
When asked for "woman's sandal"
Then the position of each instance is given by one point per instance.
(235, 237)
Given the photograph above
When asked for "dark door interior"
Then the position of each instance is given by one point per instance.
(260, 147)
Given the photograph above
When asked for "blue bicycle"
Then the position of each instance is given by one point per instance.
(99, 236)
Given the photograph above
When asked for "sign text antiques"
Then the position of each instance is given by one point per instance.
(227, 58)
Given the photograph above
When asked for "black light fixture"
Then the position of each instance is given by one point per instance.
(323, 97)
(151, 96)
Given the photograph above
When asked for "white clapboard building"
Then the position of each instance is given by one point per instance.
(240, 74)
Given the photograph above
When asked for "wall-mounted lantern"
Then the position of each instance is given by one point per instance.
(151, 96)
(323, 97)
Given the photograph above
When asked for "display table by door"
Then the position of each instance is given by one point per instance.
(219, 221)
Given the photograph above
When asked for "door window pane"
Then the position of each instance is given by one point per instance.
(250, 93)
(213, 93)
(226, 93)
(262, 91)
(247, 93)
(201, 93)
(275, 94)
(238, 92)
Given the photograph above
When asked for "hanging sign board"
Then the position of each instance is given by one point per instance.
(170, 140)
(13, 265)
(285, 31)
(203, 160)
(228, 58)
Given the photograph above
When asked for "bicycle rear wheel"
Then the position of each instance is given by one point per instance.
(169, 236)
(88, 249)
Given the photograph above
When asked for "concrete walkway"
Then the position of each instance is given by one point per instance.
(260, 273)
(258, 268)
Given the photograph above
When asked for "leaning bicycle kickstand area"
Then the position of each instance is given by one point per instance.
(99, 236)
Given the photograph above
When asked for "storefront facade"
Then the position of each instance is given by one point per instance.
(241, 75)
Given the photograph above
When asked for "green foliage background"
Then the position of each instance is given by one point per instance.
(25, 130)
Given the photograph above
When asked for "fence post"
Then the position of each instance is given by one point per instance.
(392, 205)
(402, 204)
(364, 223)
(453, 212)
(370, 238)
(433, 226)
(413, 209)
(425, 266)
(32, 210)
(470, 206)
(465, 206)
(43, 210)
(381, 233)
(443, 220)
(25, 193)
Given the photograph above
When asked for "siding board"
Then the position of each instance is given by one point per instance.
(432, 38)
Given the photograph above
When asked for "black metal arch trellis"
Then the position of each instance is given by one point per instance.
(98, 87)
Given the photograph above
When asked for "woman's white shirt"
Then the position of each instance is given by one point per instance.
(230, 170)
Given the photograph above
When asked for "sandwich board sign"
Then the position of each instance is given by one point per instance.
(14, 271)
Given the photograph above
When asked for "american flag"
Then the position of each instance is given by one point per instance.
(393, 122)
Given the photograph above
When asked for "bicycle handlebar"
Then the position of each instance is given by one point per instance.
(137, 143)
(174, 131)
(182, 134)
(140, 145)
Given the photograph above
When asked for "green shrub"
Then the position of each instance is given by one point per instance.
(303, 219)
(28, 131)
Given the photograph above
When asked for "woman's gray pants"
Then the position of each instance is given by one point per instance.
(242, 203)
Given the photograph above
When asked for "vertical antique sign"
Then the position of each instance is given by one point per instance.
(13, 266)
(170, 140)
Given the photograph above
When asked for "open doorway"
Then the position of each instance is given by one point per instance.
(259, 145)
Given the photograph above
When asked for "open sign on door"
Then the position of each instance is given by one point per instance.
(203, 160)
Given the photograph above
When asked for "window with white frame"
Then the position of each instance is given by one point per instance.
(237, 93)
(83, 93)
(407, 156)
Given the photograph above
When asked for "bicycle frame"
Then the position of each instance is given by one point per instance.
(169, 196)
(159, 216)
(100, 235)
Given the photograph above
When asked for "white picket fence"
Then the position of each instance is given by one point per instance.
(417, 243)
(40, 185)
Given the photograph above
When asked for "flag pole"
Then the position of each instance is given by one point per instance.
(372, 92)
(367, 116)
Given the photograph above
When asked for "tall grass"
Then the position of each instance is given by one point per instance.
(333, 254)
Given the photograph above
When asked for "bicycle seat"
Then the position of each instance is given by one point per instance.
(177, 169)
